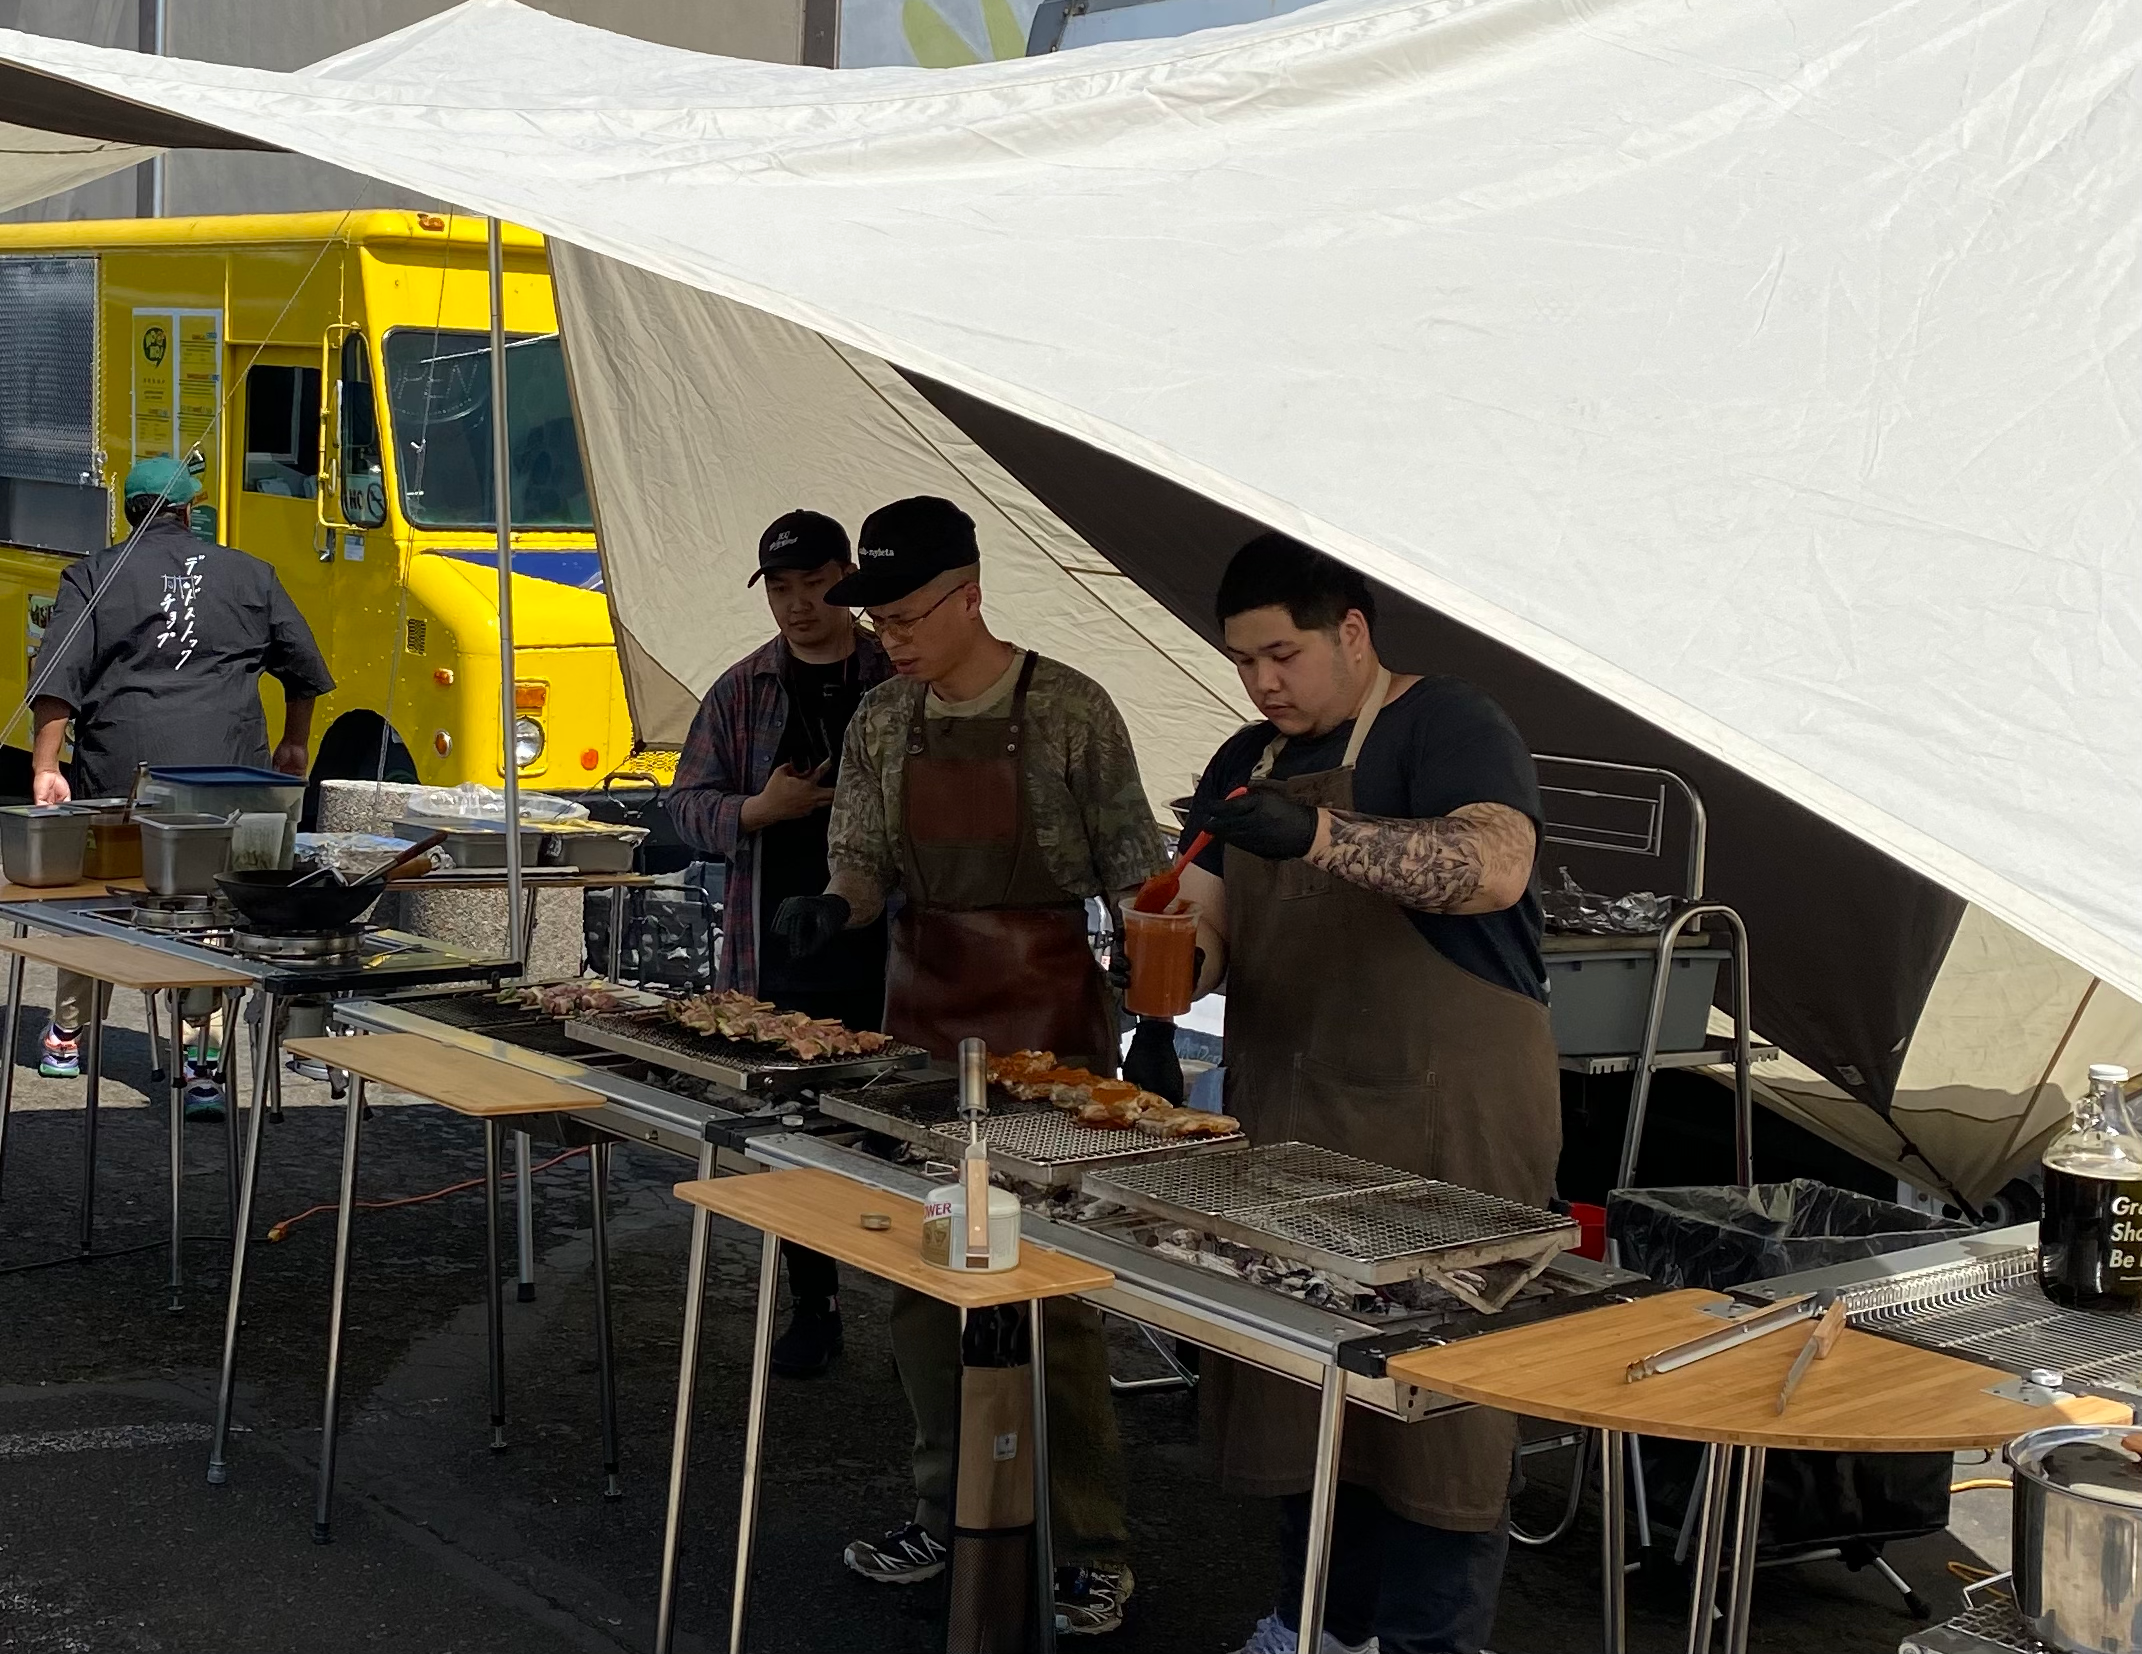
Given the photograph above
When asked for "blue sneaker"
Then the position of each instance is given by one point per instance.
(202, 1102)
(61, 1056)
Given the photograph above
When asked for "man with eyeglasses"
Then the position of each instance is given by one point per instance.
(996, 792)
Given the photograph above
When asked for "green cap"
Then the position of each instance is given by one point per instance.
(163, 478)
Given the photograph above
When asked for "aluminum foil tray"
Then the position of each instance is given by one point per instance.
(1032, 1142)
(1374, 1224)
(731, 1063)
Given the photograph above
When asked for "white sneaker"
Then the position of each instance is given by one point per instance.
(1272, 1637)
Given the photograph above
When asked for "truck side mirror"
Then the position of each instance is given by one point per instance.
(364, 482)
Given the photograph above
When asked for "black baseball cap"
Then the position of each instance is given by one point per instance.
(903, 547)
(800, 540)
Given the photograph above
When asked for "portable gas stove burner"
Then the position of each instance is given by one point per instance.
(179, 914)
(345, 943)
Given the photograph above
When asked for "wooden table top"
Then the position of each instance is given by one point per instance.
(125, 964)
(460, 1080)
(824, 1211)
(1869, 1395)
(67, 892)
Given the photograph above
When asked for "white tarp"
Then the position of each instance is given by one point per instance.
(1772, 371)
(34, 164)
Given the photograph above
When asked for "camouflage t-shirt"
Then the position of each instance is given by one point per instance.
(1096, 831)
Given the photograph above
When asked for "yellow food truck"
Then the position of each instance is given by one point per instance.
(333, 370)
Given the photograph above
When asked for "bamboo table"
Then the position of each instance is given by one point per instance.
(824, 1211)
(148, 971)
(494, 1092)
(1869, 1395)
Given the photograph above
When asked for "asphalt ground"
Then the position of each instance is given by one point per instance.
(111, 1540)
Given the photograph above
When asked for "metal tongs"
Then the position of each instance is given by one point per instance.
(1789, 1312)
(974, 1159)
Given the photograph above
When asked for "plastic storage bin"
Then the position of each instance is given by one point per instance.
(1598, 997)
(224, 789)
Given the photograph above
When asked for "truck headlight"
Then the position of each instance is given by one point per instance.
(527, 741)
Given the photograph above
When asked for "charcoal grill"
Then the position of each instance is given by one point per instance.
(1373, 1224)
(732, 1063)
(1032, 1142)
(1991, 1626)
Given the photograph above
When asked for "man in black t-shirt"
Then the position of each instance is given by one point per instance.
(1368, 907)
(755, 786)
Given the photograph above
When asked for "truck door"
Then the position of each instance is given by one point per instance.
(275, 511)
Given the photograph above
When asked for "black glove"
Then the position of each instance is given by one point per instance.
(1151, 1063)
(1264, 823)
(808, 923)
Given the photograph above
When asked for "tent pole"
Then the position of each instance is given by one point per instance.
(502, 508)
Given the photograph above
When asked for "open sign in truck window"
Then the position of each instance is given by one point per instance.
(439, 397)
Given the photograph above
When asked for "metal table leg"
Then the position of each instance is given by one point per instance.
(226, 1073)
(747, 1521)
(12, 1033)
(1747, 1519)
(524, 1216)
(92, 1094)
(1613, 1541)
(175, 1091)
(157, 1072)
(264, 1065)
(1044, 1539)
(494, 1302)
(1709, 1519)
(1323, 1497)
(680, 1441)
(617, 931)
(330, 1418)
(605, 1367)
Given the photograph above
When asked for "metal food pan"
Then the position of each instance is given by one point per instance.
(730, 1062)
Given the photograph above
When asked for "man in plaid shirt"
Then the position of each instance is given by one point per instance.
(754, 786)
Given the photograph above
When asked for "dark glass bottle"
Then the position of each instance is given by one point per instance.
(2090, 1238)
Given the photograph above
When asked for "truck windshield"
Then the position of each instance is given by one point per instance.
(439, 398)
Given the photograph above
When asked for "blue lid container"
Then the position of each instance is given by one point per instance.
(222, 775)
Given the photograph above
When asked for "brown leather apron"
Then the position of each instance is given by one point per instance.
(1346, 1028)
(988, 944)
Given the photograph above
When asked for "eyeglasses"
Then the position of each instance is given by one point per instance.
(889, 627)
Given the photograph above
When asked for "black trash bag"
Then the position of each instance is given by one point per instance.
(1724, 1237)
(1720, 1238)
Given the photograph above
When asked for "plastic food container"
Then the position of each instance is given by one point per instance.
(1163, 961)
(944, 1228)
(222, 790)
(182, 854)
(43, 844)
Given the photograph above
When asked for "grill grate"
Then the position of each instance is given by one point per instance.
(731, 1062)
(1032, 1142)
(1228, 1183)
(1050, 1137)
(1379, 1225)
(1373, 1224)
(1993, 1627)
(1992, 1308)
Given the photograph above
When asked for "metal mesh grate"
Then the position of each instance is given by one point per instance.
(1225, 1183)
(48, 390)
(1380, 1225)
(478, 1011)
(1994, 1627)
(1050, 1137)
(1992, 1308)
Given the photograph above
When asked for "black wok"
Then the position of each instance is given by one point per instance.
(265, 898)
(315, 899)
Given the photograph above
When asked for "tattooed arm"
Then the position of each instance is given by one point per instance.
(1477, 859)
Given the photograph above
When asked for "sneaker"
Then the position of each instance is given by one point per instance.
(1089, 1601)
(812, 1340)
(203, 1068)
(61, 1056)
(1272, 1637)
(906, 1556)
(202, 1103)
